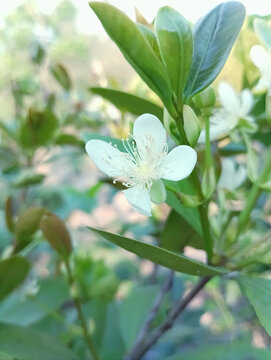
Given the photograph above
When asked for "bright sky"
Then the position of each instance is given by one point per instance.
(88, 23)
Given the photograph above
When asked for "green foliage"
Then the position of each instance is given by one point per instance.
(128, 102)
(214, 36)
(13, 271)
(161, 256)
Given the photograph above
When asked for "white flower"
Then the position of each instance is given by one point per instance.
(231, 177)
(145, 163)
(234, 108)
(262, 59)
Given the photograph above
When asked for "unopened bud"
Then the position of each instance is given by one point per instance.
(56, 233)
(205, 99)
(192, 125)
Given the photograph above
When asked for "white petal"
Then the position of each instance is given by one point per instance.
(246, 102)
(139, 197)
(149, 134)
(228, 98)
(260, 57)
(179, 163)
(107, 158)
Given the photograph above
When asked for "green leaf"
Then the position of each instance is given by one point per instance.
(191, 215)
(141, 299)
(29, 344)
(161, 256)
(25, 311)
(178, 233)
(27, 178)
(136, 49)
(69, 139)
(263, 31)
(214, 36)
(38, 129)
(151, 37)
(13, 271)
(128, 102)
(258, 291)
(223, 351)
(61, 75)
(176, 47)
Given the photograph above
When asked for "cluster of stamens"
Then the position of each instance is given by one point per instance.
(140, 168)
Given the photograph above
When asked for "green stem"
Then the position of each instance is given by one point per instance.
(253, 196)
(203, 208)
(81, 317)
(208, 155)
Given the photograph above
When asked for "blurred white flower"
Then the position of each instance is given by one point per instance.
(231, 177)
(262, 59)
(234, 108)
(145, 162)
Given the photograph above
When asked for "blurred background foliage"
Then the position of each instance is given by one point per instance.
(46, 113)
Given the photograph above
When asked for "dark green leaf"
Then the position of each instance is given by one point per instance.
(13, 271)
(60, 73)
(69, 139)
(214, 36)
(27, 178)
(128, 102)
(191, 215)
(176, 47)
(38, 129)
(136, 49)
(29, 344)
(258, 292)
(178, 233)
(161, 256)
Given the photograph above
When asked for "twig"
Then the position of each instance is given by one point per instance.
(151, 316)
(168, 323)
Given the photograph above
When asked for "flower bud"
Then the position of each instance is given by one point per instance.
(192, 125)
(27, 224)
(205, 99)
(56, 233)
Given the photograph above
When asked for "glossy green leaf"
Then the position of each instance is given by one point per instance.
(178, 233)
(136, 49)
(263, 31)
(128, 102)
(13, 271)
(223, 352)
(151, 37)
(29, 344)
(214, 36)
(176, 47)
(258, 291)
(161, 256)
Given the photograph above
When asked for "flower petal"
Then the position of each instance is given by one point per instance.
(179, 163)
(107, 158)
(216, 131)
(260, 57)
(139, 197)
(228, 98)
(149, 134)
(246, 102)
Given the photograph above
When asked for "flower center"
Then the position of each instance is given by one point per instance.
(141, 168)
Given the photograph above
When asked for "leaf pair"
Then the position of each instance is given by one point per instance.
(190, 62)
